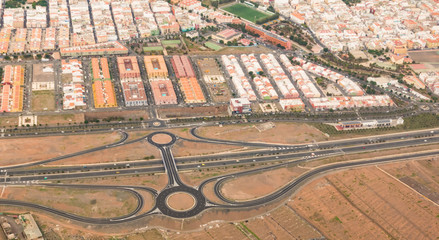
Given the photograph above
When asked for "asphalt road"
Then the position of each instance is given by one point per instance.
(273, 153)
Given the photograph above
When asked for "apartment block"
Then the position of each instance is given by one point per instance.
(156, 67)
(12, 89)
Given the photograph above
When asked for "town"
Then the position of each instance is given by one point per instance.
(219, 119)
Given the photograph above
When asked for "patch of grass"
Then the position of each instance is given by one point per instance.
(250, 231)
(245, 12)
(336, 219)
(170, 42)
(155, 48)
(213, 46)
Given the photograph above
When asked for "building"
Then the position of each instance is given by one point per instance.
(156, 67)
(415, 81)
(366, 124)
(132, 85)
(30, 227)
(43, 77)
(128, 67)
(292, 104)
(134, 94)
(163, 92)
(227, 35)
(103, 89)
(12, 89)
(269, 36)
(182, 66)
(73, 84)
(108, 48)
(240, 106)
(191, 90)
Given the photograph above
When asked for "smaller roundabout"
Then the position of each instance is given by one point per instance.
(161, 139)
(169, 203)
(180, 201)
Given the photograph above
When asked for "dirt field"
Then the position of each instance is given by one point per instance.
(258, 185)
(83, 202)
(287, 133)
(63, 119)
(156, 181)
(21, 150)
(282, 223)
(192, 111)
(43, 101)
(8, 121)
(188, 148)
(181, 201)
(125, 153)
(162, 138)
(367, 203)
(133, 114)
(424, 56)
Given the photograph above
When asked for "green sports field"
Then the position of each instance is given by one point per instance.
(245, 12)
(213, 46)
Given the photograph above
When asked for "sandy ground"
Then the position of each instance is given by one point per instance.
(285, 133)
(156, 181)
(258, 185)
(187, 148)
(63, 119)
(83, 202)
(162, 138)
(282, 223)
(181, 201)
(22, 150)
(367, 203)
(130, 152)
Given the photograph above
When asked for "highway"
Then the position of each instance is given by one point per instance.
(302, 178)
(131, 215)
(282, 154)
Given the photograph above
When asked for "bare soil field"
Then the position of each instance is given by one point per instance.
(133, 114)
(8, 121)
(130, 152)
(181, 201)
(421, 175)
(282, 223)
(193, 111)
(260, 184)
(187, 148)
(97, 203)
(63, 119)
(43, 101)
(367, 203)
(424, 56)
(195, 177)
(22, 150)
(218, 231)
(156, 181)
(162, 138)
(284, 133)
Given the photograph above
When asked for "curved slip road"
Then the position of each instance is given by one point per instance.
(301, 179)
(82, 219)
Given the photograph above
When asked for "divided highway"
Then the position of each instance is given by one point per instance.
(292, 154)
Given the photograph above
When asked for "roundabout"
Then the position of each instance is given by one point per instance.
(161, 139)
(163, 202)
(181, 201)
